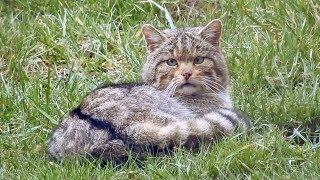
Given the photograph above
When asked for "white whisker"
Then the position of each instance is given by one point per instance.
(209, 80)
(209, 87)
(174, 90)
(216, 85)
(170, 90)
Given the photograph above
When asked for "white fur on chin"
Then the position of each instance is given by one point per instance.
(189, 90)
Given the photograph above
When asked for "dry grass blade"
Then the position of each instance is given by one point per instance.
(166, 12)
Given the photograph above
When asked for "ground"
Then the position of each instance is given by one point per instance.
(54, 52)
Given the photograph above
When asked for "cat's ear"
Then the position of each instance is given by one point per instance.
(212, 32)
(153, 37)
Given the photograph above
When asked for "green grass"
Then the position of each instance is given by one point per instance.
(53, 52)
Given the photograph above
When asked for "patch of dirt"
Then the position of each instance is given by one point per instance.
(299, 133)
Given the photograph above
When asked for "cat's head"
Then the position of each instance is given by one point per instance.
(185, 61)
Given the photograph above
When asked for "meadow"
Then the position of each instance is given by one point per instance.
(53, 52)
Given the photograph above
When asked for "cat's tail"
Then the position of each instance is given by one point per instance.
(229, 120)
(214, 125)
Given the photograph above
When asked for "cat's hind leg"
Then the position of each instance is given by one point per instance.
(114, 150)
(75, 137)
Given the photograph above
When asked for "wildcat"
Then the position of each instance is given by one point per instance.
(183, 100)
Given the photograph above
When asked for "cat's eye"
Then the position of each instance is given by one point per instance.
(198, 60)
(172, 62)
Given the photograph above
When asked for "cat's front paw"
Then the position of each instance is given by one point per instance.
(224, 123)
(236, 118)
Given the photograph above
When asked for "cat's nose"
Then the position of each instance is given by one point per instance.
(186, 74)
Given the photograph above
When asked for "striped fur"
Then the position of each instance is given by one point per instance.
(115, 117)
(182, 104)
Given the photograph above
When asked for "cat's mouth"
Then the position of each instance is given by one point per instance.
(187, 85)
(187, 88)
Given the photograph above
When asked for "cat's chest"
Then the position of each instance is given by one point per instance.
(200, 106)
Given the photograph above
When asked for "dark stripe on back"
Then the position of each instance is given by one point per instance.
(97, 123)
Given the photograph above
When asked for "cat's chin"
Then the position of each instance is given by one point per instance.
(187, 89)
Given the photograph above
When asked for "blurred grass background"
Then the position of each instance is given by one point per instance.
(54, 52)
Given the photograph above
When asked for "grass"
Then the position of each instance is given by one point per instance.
(53, 52)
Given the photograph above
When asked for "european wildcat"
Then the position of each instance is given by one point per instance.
(184, 98)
